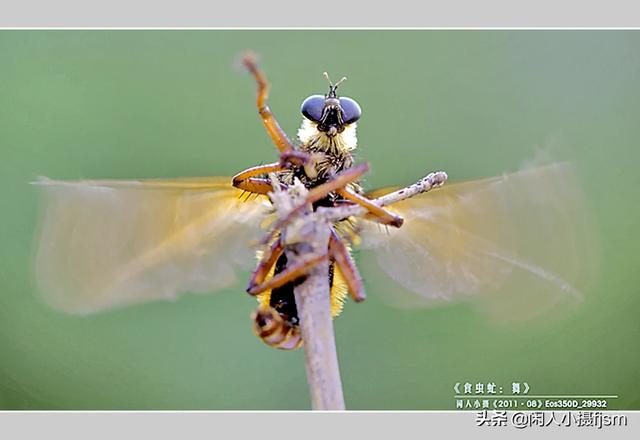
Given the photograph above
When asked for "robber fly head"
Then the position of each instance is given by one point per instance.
(331, 112)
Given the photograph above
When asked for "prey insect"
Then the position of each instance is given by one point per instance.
(515, 239)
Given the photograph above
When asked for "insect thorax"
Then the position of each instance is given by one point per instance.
(335, 153)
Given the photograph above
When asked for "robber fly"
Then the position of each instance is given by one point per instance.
(109, 243)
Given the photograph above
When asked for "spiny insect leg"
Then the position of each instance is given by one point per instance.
(340, 255)
(294, 157)
(266, 263)
(319, 192)
(338, 182)
(247, 180)
(297, 158)
(276, 133)
(291, 273)
(379, 214)
(381, 221)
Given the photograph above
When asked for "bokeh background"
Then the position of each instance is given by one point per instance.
(122, 104)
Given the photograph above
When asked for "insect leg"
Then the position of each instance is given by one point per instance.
(379, 214)
(295, 157)
(276, 133)
(339, 180)
(266, 264)
(291, 273)
(340, 254)
(248, 181)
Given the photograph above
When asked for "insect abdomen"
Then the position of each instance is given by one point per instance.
(276, 319)
(274, 330)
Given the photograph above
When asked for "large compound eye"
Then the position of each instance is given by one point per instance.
(312, 107)
(351, 109)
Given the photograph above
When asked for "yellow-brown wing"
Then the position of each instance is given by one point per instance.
(523, 239)
(104, 244)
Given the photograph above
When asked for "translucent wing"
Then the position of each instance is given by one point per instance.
(524, 240)
(103, 244)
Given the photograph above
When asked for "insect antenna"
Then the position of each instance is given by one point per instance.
(333, 87)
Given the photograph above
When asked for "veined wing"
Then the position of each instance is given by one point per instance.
(106, 243)
(523, 240)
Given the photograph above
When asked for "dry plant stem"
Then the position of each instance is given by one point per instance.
(316, 326)
(427, 183)
(307, 235)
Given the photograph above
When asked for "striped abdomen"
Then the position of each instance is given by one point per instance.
(276, 319)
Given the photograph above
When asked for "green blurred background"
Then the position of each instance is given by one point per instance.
(121, 104)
